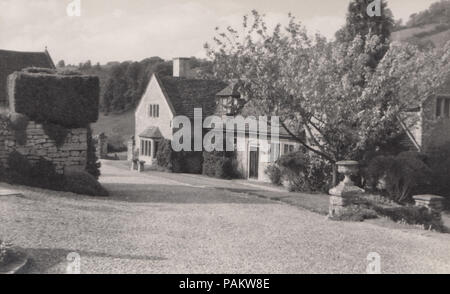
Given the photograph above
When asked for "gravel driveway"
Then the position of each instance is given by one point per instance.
(155, 224)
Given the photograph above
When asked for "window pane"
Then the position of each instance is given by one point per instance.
(157, 110)
(155, 148)
(286, 148)
(150, 110)
(438, 107)
(142, 147)
(447, 108)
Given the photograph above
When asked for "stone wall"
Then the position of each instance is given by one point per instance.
(435, 130)
(72, 154)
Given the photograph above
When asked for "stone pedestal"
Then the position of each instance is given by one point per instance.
(430, 201)
(141, 166)
(345, 193)
(134, 165)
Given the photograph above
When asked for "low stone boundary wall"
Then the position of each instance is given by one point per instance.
(37, 144)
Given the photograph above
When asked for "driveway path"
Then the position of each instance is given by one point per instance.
(163, 224)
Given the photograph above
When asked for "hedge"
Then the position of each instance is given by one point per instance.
(68, 100)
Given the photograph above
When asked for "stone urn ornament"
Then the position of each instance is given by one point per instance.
(346, 193)
(347, 187)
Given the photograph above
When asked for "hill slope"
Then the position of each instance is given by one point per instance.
(427, 28)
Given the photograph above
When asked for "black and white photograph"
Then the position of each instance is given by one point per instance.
(224, 137)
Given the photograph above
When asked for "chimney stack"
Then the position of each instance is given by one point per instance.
(181, 67)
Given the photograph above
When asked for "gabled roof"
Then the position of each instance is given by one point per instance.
(11, 61)
(186, 94)
(151, 133)
(230, 91)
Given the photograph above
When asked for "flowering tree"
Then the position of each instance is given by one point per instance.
(328, 95)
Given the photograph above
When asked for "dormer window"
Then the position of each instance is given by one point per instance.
(443, 106)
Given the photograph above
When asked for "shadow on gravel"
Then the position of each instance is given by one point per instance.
(41, 260)
(144, 193)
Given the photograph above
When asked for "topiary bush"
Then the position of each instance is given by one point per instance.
(41, 174)
(5, 252)
(305, 172)
(92, 164)
(56, 132)
(83, 183)
(178, 162)
(274, 173)
(70, 101)
(413, 215)
(399, 177)
(220, 165)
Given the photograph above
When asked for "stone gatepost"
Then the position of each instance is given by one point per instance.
(345, 193)
(431, 202)
(130, 149)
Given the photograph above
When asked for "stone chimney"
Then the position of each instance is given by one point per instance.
(181, 67)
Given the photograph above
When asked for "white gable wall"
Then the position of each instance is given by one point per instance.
(153, 95)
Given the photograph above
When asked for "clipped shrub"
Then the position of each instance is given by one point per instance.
(439, 162)
(41, 174)
(355, 213)
(39, 70)
(400, 177)
(70, 101)
(178, 162)
(274, 173)
(220, 164)
(56, 132)
(413, 215)
(305, 172)
(83, 183)
(164, 154)
(19, 122)
(92, 163)
(5, 252)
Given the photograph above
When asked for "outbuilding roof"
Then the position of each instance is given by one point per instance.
(11, 61)
(186, 94)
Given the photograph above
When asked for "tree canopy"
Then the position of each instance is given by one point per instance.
(327, 94)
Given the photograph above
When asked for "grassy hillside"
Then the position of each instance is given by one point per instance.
(427, 28)
(118, 127)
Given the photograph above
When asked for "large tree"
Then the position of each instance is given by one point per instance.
(326, 94)
(359, 23)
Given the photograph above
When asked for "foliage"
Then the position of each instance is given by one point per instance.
(56, 132)
(164, 154)
(178, 162)
(359, 23)
(126, 82)
(5, 252)
(355, 213)
(40, 174)
(403, 175)
(328, 92)
(220, 164)
(305, 172)
(438, 12)
(83, 183)
(438, 159)
(274, 173)
(413, 215)
(92, 163)
(19, 122)
(70, 101)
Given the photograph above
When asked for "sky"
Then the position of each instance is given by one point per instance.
(119, 30)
